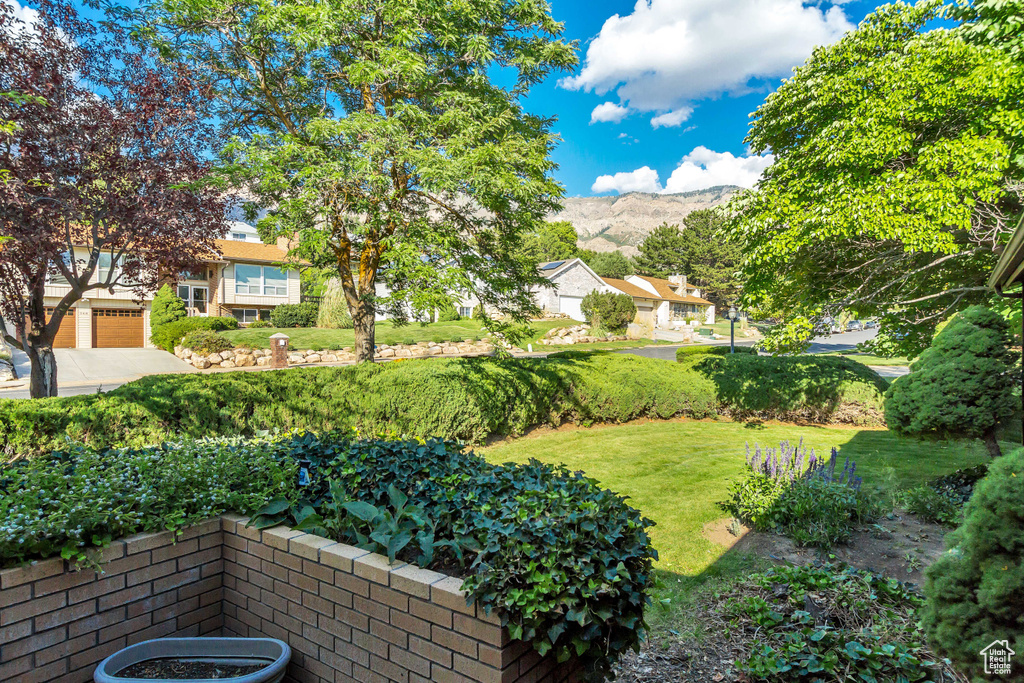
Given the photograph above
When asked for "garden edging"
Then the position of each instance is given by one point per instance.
(346, 613)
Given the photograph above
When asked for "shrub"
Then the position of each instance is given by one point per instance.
(608, 310)
(333, 313)
(166, 308)
(294, 315)
(170, 335)
(974, 592)
(820, 389)
(933, 506)
(447, 314)
(829, 623)
(206, 342)
(64, 503)
(692, 354)
(479, 313)
(962, 385)
(564, 563)
(257, 324)
(801, 496)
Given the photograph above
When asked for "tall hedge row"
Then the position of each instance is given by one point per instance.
(470, 399)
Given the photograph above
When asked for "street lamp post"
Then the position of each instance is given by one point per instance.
(732, 329)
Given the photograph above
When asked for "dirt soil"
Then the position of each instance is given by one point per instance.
(183, 669)
(899, 546)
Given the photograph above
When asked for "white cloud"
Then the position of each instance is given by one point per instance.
(672, 119)
(703, 168)
(25, 15)
(667, 53)
(700, 169)
(609, 112)
(643, 179)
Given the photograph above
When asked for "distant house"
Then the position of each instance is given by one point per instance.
(664, 303)
(244, 278)
(572, 279)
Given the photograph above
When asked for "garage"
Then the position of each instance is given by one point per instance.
(65, 337)
(645, 315)
(570, 305)
(117, 328)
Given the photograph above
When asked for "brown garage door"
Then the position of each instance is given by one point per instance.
(65, 337)
(117, 328)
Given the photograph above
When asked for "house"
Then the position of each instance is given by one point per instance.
(572, 279)
(243, 278)
(664, 303)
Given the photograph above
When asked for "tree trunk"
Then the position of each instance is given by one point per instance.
(991, 443)
(364, 326)
(43, 382)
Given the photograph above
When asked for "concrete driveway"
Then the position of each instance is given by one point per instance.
(81, 371)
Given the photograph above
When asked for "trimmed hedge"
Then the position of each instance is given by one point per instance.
(691, 354)
(821, 389)
(471, 399)
(564, 563)
(295, 315)
(170, 335)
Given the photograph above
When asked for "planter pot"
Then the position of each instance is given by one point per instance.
(238, 651)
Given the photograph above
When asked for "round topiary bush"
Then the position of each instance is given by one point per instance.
(206, 342)
(963, 385)
(975, 592)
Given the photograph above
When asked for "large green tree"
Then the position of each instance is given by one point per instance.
(387, 137)
(711, 260)
(607, 263)
(661, 253)
(896, 177)
(550, 242)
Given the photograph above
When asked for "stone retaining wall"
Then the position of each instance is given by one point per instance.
(347, 614)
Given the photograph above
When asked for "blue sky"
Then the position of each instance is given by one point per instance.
(702, 66)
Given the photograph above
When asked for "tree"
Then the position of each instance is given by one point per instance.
(166, 308)
(963, 385)
(333, 312)
(662, 252)
(607, 263)
(895, 184)
(711, 259)
(608, 310)
(974, 593)
(378, 138)
(100, 164)
(551, 242)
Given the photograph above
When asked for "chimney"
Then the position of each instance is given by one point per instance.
(678, 280)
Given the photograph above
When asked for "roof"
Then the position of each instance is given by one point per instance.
(1010, 267)
(236, 250)
(630, 289)
(664, 289)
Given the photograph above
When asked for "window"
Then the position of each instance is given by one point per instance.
(190, 275)
(57, 278)
(250, 315)
(104, 267)
(275, 283)
(264, 280)
(247, 279)
(238, 236)
(465, 312)
(184, 293)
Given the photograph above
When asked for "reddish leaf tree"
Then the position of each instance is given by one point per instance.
(101, 166)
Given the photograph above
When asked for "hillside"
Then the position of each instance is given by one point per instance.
(621, 222)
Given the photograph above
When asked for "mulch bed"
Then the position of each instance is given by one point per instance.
(183, 669)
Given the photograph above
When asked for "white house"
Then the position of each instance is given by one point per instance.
(664, 303)
(572, 279)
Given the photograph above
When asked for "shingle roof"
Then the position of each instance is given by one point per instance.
(629, 288)
(664, 289)
(236, 250)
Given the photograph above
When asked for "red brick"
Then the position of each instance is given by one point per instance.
(95, 589)
(335, 595)
(431, 612)
(391, 598)
(150, 572)
(290, 624)
(175, 609)
(339, 664)
(61, 582)
(287, 560)
(114, 551)
(410, 624)
(22, 593)
(211, 541)
(455, 642)
(141, 542)
(203, 528)
(314, 635)
(389, 633)
(431, 651)
(26, 646)
(39, 674)
(96, 654)
(125, 627)
(64, 649)
(371, 644)
(409, 661)
(33, 571)
(303, 582)
(476, 670)
(21, 629)
(317, 603)
(127, 564)
(334, 627)
(492, 634)
(352, 653)
(199, 587)
(353, 584)
(27, 610)
(125, 596)
(320, 572)
(198, 558)
(10, 670)
(389, 669)
(370, 608)
(156, 631)
(96, 622)
(64, 616)
(175, 580)
(198, 616)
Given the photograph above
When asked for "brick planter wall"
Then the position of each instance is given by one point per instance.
(346, 613)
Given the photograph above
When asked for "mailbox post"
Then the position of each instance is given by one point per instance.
(279, 350)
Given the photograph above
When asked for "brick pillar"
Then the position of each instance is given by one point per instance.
(279, 350)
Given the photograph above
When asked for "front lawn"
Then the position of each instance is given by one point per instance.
(675, 472)
(388, 333)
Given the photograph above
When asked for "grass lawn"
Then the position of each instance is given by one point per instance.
(675, 472)
(387, 333)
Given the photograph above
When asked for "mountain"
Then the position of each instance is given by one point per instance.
(622, 222)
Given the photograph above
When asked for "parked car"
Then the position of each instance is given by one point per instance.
(854, 325)
(870, 325)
